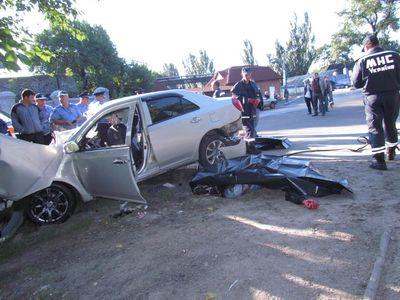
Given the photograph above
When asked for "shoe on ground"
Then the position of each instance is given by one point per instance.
(391, 153)
(314, 115)
(378, 165)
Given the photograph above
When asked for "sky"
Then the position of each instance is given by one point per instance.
(157, 32)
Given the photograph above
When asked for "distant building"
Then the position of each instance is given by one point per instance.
(266, 78)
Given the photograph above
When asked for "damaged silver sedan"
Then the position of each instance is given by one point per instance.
(127, 141)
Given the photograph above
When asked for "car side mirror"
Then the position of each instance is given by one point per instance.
(71, 147)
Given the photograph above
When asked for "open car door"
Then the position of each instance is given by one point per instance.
(104, 162)
(26, 168)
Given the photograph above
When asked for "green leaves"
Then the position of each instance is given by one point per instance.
(297, 55)
(92, 61)
(16, 41)
(197, 65)
(248, 55)
(361, 18)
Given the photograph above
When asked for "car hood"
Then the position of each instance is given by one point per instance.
(62, 137)
(25, 167)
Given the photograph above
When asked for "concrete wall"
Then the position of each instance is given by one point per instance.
(7, 100)
(39, 84)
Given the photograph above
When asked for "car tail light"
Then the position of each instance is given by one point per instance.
(236, 103)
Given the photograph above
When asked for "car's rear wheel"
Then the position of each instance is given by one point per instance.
(54, 204)
(210, 150)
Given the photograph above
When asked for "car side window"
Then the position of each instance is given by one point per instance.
(169, 107)
(109, 131)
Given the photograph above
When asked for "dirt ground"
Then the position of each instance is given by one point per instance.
(199, 247)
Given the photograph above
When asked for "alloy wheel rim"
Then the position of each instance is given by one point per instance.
(49, 205)
(213, 152)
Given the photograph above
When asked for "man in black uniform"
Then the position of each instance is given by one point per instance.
(378, 73)
(246, 91)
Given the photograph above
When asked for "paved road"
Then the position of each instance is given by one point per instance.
(340, 128)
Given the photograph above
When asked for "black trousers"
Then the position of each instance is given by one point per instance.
(309, 104)
(37, 137)
(381, 112)
(318, 101)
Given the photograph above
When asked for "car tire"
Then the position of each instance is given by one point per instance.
(209, 153)
(52, 205)
(272, 105)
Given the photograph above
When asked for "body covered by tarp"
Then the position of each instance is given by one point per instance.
(294, 176)
(264, 142)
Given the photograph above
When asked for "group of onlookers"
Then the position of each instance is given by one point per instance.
(318, 94)
(35, 121)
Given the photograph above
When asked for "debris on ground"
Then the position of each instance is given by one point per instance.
(169, 185)
(235, 177)
(126, 209)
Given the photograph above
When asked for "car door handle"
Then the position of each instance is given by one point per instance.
(195, 120)
(119, 162)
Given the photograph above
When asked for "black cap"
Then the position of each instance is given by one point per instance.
(84, 95)
(39, 96)
(371, 39)
(246, 70)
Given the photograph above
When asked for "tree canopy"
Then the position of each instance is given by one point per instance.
(298, 53)
(248, 55)
(198, 65)
(170, 70)
(359, 19)
(16, 41)
(91, 62)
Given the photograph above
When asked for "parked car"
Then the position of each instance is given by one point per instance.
(7, 118)
(269, 103)
(127, 141)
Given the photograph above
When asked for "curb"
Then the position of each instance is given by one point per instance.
(373, 283)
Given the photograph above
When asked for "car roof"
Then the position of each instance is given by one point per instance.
(5, 116)
(148, 96)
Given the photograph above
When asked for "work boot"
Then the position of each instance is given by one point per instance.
(391, 153)
(315, 115)
(378, 162)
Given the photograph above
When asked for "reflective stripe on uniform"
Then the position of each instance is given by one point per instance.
(378, 150)
(249, 139)
(391, 144)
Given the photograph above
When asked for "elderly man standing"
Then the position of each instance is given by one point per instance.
(66, 115)
(318, 92)
(246, 91)
(25, 119)
(45, 112)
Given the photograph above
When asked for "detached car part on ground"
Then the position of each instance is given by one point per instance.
(127, 141)
(295, 177)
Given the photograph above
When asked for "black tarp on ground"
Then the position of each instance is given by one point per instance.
(264, 142)
(294, 176)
